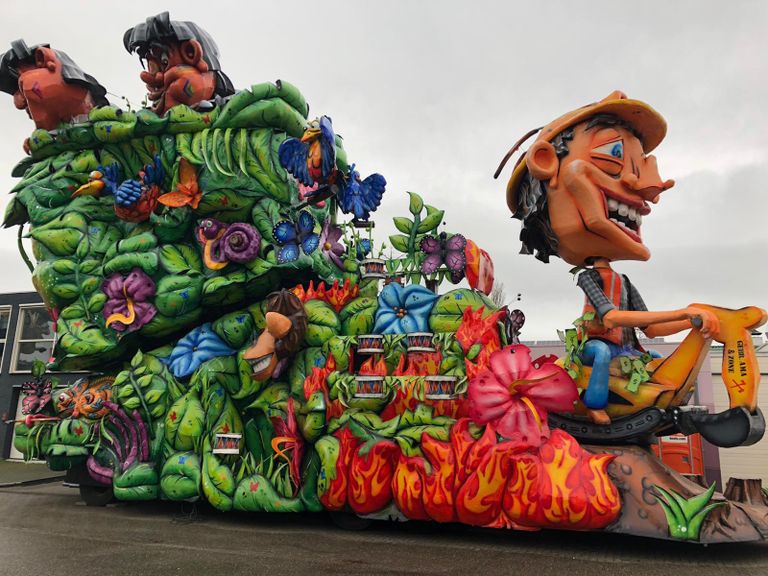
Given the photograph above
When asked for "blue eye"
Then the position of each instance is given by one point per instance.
(614, 149)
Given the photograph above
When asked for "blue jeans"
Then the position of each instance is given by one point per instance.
(598, 354)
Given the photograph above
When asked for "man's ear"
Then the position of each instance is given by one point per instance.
(192, 54)
(542, 160)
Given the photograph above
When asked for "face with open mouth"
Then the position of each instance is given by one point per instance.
(599, 193)
(263, 366)
(262, 355)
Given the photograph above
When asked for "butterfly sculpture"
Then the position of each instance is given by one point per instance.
(444, 251)
(294, 238)
(311, 159)
(37, 394)
(361, 197)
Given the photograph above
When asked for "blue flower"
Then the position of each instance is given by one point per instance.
(403, 310)
(197, 347)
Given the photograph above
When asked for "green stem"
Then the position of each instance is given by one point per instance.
(412, 235)
(23, 252)
(137, 390)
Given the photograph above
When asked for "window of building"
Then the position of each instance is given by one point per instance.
(5, 319)
(35, 335)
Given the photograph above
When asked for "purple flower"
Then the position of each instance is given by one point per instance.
(127, 307)
(330, 245)
(240, 243)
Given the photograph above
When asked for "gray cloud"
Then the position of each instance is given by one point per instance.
(431, 94)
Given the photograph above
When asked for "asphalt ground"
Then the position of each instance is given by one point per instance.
(46, 530)
(16, 472)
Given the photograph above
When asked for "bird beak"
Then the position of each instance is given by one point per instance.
(93, 188)
(310, 134)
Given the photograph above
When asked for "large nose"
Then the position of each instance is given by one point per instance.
(152, 79)
(645, 181)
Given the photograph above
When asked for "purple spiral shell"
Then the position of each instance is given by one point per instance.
(240, 243)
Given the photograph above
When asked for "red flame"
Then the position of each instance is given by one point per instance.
(508, 484)
(371, 368)
(337, 296)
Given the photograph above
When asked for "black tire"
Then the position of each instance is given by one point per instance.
(96, 495)
(349, 521)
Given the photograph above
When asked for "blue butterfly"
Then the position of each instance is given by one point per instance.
(361, 197)
(292, 238)
(363, 248)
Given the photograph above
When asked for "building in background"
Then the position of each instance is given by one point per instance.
(27, 334)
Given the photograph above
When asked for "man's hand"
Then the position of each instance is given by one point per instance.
(710, 325)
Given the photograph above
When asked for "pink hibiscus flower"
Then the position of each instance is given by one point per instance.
(515, 396)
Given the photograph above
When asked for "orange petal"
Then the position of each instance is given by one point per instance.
(187, 173)
(175, 200)
(127, 320)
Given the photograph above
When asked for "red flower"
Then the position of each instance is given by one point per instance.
(288, 439)
(515, 396)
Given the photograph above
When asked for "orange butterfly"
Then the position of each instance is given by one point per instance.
(187, 191)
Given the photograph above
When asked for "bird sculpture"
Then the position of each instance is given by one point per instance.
(135, 199)
(312, 158)
(360, 197)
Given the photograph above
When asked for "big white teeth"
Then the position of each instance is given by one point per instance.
(261, 363)
(624, 210)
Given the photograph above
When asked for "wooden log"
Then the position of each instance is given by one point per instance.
(746, 491)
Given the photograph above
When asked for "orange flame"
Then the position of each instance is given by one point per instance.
(337, 296)
(408, 487)
(369, 368)
(424, 363)
(475, 329)
(438, 486)
(335, 497)
(370, 477)
(478, 501)
(486, 483)
(566, 487)
(317, 380)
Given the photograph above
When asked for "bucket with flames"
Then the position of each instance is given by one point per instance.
(374, 268)
(370, 343)
(420, 342)
(227, 444)
(440, 387)
(369, 387)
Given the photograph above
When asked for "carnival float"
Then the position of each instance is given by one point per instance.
(209, 260)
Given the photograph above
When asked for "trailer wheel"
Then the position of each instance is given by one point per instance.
(349, 521)
(96, 495)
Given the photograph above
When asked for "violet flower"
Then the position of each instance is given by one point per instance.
(330, 245)
(127, 308)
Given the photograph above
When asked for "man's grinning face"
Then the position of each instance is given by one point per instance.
(601, 193)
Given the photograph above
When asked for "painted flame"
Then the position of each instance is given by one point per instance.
(370, 477)
(371, 368)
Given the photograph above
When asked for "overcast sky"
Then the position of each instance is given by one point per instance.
(432, 94)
